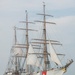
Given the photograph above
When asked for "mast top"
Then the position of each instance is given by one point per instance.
(26, 11)
(44, 3)
(26, 19)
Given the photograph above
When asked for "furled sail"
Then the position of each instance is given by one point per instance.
(32, 58)
(9, 73)
(53, 55)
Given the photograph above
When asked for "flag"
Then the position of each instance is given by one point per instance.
(44, 72)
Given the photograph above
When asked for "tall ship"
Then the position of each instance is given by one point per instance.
(38, 55)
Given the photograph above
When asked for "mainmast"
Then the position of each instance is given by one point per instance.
(27, 32)
(27, 38)
(26, 45)
(15, 40)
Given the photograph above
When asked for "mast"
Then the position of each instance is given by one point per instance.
(27, 42)
(27, 38)
(15, 40)
(44, 31)
(46, 61)
(16, 58)
(27, 32)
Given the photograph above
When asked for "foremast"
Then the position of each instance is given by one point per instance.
(46, 60)
(45, 46)
(45, 53)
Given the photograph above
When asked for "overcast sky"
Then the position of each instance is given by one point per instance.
(13, 11)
